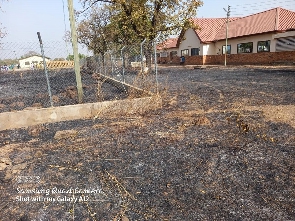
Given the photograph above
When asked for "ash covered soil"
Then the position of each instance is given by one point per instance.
(221, 148)
(26, 89)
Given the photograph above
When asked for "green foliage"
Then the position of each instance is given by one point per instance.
(8, 62)
(118, 23)
(70, 57)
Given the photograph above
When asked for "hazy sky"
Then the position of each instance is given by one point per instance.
(24, 18)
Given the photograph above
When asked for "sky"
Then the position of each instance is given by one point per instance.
(24, 18)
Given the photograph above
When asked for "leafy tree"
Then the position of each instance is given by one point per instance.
(140, 19)
(132, 21)
(8, 62)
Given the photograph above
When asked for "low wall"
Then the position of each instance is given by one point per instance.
(240, 59)
(26, 118)
(253, 58)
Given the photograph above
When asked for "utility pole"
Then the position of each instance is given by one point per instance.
(75, 51)
(226, 35)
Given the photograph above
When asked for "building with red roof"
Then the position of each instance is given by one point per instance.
(197, 41)
(268, 31)
(167, 50)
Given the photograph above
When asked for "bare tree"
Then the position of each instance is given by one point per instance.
(93, 30)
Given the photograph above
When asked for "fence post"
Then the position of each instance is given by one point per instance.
(112, 65)
(45, 68)
(141, 52)
(100, 64)
(104, 63)
(123, 64)
(156, 62)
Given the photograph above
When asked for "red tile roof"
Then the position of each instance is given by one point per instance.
(209, 27)
(169, 43)
(277, 19)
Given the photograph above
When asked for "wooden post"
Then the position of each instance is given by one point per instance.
(75, 51)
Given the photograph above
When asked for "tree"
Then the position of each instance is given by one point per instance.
(144, 19)
(94, 30)
(70, 57)
(29, 54)
(132, 21)
(8, 62)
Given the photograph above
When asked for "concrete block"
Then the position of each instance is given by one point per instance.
(26, 118)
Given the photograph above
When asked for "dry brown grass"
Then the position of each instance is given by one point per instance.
(277, 113)
(122, 126)
(143, 85)
(100, 95)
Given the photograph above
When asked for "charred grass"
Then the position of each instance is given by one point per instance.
(204, 156)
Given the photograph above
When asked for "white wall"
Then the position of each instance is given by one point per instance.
(208, 49)
(30, 60)
(284, 35)
(255, 38)
(190, 40)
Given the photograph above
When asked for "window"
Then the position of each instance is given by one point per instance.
(163, 54)
(195, 51)
(245, 47)
(27, 63)
(263, 46)
(228, 51)
(184, 52)
(173, 53)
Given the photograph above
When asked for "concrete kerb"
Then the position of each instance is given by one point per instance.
(26, 118)
(124, 86)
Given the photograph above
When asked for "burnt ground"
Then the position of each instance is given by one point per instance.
(221, 148)
(23, 89)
